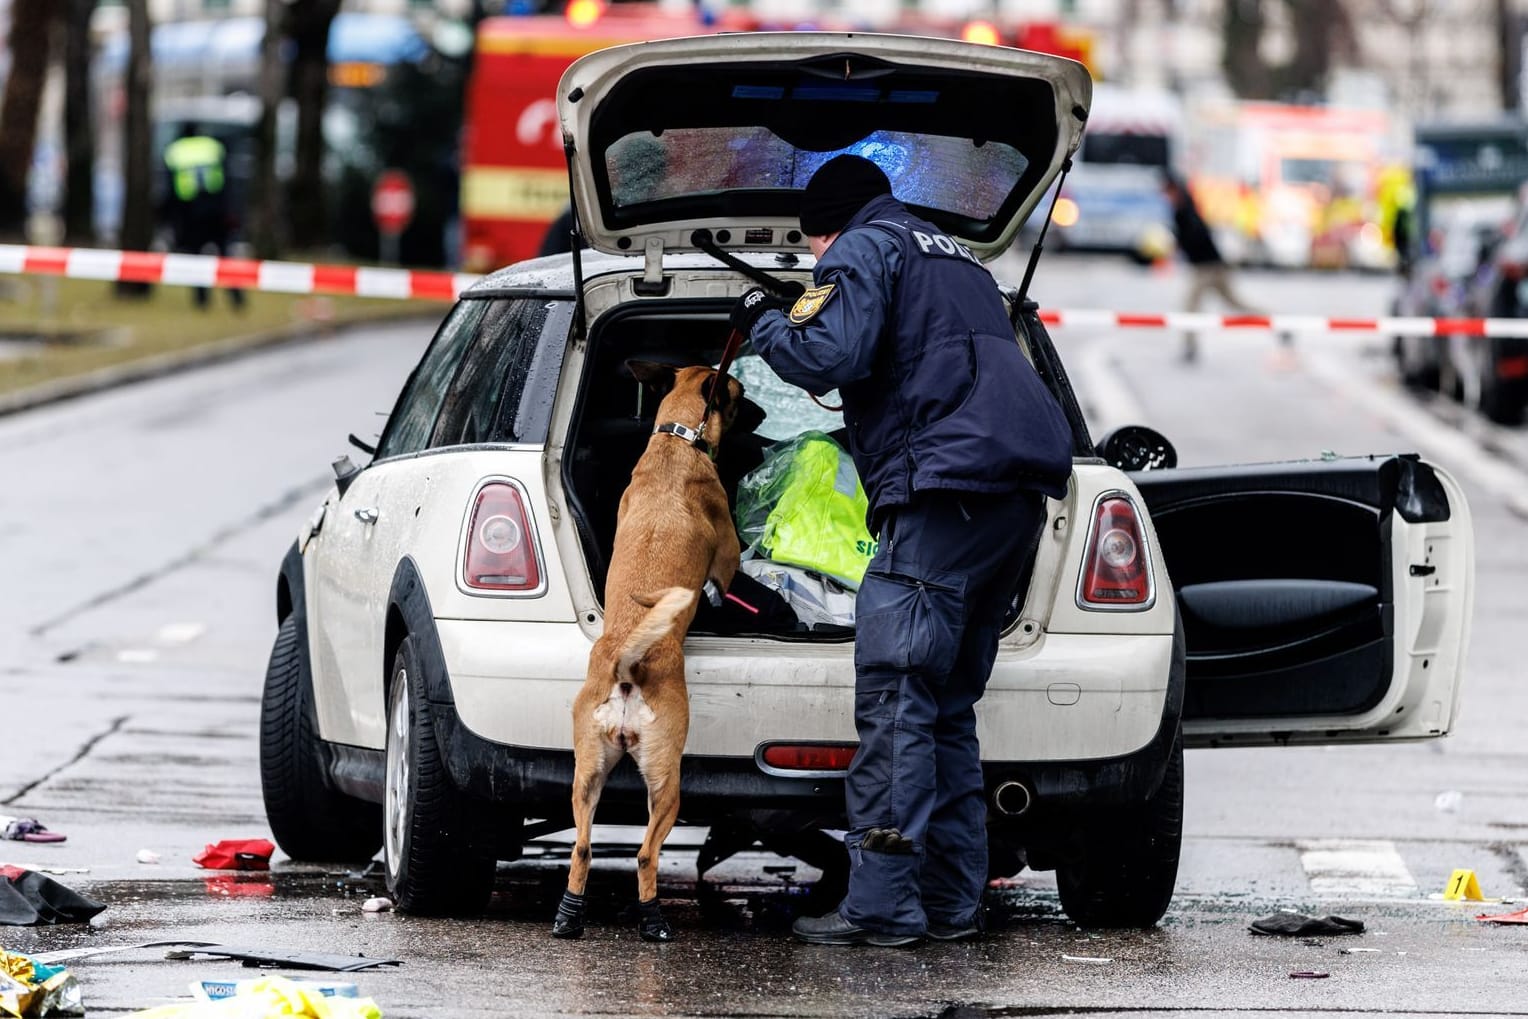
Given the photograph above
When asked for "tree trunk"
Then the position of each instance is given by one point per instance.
(1242, 29)
(1509, 33)
(265, 220)
(79, 126)
(31, 25)
(308, 24)
(138, 143)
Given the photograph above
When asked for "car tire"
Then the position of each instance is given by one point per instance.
(1126, 866)
(437, 851)
(309, 818)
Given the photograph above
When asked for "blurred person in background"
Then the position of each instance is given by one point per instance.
(1209, 270)
(197, 206)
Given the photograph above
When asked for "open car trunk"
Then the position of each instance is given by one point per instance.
(615, 420)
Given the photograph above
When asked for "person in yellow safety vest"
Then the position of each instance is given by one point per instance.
(199, 214)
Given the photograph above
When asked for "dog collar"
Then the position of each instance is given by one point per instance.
(688, 434)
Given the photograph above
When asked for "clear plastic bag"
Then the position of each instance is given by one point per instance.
(804, 506)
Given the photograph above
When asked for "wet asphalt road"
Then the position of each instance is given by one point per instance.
(140, 536)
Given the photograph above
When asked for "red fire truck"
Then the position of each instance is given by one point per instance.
(514, 176)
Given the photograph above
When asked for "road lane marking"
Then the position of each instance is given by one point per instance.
(180, 633)
(137, 655)
(1346, 868)
(1109, 399)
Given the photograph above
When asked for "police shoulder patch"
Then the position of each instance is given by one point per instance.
(810, 303)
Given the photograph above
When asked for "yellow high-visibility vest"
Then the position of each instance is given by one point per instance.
(196, 165)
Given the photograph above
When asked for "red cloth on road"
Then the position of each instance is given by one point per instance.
(236, 854)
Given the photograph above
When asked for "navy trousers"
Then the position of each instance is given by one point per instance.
(926, 630)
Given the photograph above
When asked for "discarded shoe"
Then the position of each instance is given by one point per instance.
(833, 929)
(26, 829)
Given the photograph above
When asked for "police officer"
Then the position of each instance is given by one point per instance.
(957, 442)
(199, 213)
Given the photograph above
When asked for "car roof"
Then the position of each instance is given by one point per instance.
(554, 273)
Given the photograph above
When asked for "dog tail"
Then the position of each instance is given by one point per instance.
(663, 608)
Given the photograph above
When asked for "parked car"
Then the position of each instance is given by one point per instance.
(1437, 288)
(436, 613)
(1490, 373)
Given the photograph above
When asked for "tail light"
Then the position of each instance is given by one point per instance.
(800, 760)
(1116, 573)
(503, 554)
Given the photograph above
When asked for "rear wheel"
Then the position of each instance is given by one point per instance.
(439, 858)
(310, 820)
(1127, 864)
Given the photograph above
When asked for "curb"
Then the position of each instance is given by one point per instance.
(161, 365)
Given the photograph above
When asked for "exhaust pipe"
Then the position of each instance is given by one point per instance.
(1012, 798)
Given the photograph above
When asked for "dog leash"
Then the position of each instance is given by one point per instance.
(729, 352)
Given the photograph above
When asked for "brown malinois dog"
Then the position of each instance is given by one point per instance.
(673, 535)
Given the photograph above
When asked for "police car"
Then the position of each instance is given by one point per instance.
(436, 612)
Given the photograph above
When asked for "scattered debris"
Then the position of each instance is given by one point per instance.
(263, 957)
(1091, 960)
(269, 996)
(1521, 916)
(377, 904)
(28, 898)
(249, 956)
(26, 829)
(1357, 951)
(236, 854)
(147, 856)
(1288, 922)
(218, 990)
(1309, 974)
(29, 988)
(1449, 801)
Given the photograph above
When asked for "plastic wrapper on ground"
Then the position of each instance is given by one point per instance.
(269, 998)
(32, 990)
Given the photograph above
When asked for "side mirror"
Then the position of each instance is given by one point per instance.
(1137, 448)
(344, 473)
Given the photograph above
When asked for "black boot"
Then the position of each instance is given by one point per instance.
(569, 922)
(650, 922)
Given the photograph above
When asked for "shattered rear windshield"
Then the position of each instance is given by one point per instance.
(954, 174)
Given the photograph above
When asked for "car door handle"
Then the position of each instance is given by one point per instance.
(366, 515)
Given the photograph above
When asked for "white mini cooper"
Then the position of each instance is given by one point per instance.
(436, 613)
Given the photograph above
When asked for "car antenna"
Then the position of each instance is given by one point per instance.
(1034, 255)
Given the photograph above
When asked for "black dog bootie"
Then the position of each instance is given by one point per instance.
(569, 922)
(650, 922)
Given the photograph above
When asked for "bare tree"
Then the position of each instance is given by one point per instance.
(307, 25)
(1509, 34)
(265, 220)
(79, 128)
(137, 141)
(31, 26)
(1322, 30)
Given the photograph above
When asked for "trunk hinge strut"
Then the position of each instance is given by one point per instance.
(576, 238)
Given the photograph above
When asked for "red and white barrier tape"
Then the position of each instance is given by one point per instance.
(245, 273)
(410, 284)
(1196, 322)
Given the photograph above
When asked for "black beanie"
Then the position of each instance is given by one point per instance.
(840, 188)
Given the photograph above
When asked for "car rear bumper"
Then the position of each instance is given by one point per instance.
(536, 781)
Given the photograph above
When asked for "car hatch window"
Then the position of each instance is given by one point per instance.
(503, 392)
(413, 417)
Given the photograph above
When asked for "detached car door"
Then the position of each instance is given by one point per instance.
(1322, 601)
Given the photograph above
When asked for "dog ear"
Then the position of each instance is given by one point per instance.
(657, 377)
(726, 400)
(749, 417)
(734, 401)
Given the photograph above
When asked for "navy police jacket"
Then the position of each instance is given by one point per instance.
(909, 327)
